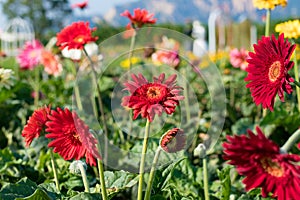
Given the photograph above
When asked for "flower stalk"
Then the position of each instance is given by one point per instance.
(84, 178)
(268, 19)
(36, 87)
(132, 43)
(296, 71)
(205, 177)
(142, 163)
(76, 89)
(101, 107)
(152, 173)
(291, 141)
(54, 171)
(102, 180)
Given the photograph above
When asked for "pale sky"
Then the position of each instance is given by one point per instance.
(100, 6)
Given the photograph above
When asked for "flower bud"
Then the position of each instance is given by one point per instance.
(75, 166)
(173, 140)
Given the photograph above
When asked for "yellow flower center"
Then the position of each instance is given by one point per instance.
(79, 39)
(33, 54)
(274, 71)
(271, 167)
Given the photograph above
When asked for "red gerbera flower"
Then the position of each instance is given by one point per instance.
(173, 140)
(139, 18)
(268, 70)
(148, 99)
(71, 136)
(35, 124)
(75, 36)
(259, 159)
(81, 5)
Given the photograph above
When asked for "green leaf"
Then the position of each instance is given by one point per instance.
(224, 177)
(119, 180)
(87, 196)
(282, 117)
(37, 195)
(51, 190)
(23, 188)
(6, 158)
(242, 125)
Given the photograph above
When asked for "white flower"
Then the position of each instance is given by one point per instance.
(6, 78)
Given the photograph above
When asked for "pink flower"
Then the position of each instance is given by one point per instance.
(166, 57)
(150, 98)
(30, 55)
(238, 59)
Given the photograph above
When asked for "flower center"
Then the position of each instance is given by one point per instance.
(33, 54)
(79, 39)
(156, 93)
(271, 167)
(274, 71)
(73, 136)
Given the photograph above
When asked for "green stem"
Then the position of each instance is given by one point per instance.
(291, 141)
(152, 173)
(205, 178)
(132, 43)
(84, 178)
(297, 78)
(142, 163)
(36, 87)
(77, 97)
(103, 118)
(76, 89)
(268, 19)
(296, 83)
(102, 180)
(264, 112)
(54, 171)
(231, 92)
(186, 99)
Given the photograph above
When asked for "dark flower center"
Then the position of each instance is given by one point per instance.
(274, 71)
(156, 93)
(73, 135)
(271, 167)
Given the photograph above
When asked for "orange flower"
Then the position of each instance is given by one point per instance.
(51, 64)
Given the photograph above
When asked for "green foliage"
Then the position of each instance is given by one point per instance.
(23, 188)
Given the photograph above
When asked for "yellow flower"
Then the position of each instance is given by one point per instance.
(268, 4)
(291, 29)
(125, 63)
